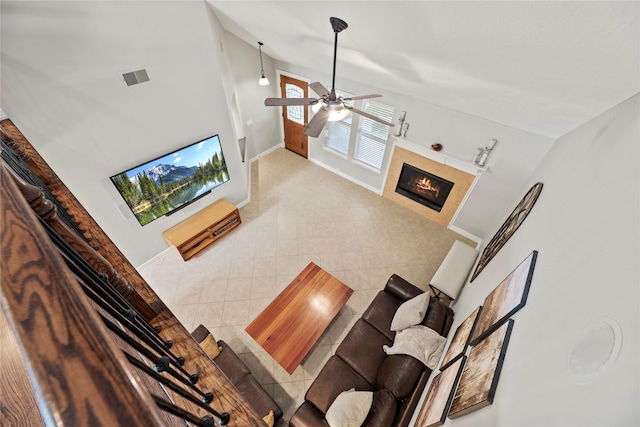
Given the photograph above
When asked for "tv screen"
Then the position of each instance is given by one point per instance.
(170, 182)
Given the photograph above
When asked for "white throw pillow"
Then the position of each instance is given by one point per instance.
(411, 312)
(349, 409)
(420, 342)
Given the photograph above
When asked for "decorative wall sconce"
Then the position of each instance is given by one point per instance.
(263, 80)
(402, 126)
(482, 154)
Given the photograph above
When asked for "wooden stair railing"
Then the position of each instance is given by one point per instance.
(144, 299)
(48, 211)
(78, 375)
(84, 373)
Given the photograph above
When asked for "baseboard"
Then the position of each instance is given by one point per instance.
(264, 153)
(253, 159)
(154, 259)
(323, 165)
(460, 231)
(466, 234)
(243, 203)
(345, 176)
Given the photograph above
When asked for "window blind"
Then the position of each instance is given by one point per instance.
(338, 136)
(372, 137)
(339, 133)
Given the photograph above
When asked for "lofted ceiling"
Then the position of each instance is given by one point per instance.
(544, 67)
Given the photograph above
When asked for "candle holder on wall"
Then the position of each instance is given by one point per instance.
(482, 153)
(404, 128)
(401, 124)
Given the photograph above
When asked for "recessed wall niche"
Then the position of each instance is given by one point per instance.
(462, 182)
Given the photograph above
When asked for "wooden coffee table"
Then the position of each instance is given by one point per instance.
(295, 319)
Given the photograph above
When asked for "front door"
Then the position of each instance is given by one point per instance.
(295, 117)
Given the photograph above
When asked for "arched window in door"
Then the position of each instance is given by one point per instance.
(295, 112)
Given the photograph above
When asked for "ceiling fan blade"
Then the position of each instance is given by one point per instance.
(371, 116)
(353, 98)
(317, 123)
(319, 88)
(271, 102)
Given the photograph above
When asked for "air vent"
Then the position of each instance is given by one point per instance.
(135, 77)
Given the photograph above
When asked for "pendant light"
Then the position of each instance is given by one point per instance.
(263, 80)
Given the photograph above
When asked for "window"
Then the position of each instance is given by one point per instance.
(368, 143)
(372, 136)
(338, 135)
(295, 112)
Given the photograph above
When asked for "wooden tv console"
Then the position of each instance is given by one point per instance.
(203, 228)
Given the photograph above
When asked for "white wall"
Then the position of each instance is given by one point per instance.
(515, 157)
(260, 123)
(61, 85)
(585, 226)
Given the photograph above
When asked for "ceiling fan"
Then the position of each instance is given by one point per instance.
(333, 106)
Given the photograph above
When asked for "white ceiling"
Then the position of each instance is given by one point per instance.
(543, 67)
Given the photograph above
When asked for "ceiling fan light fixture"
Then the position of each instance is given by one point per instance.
(338, 115)
(316, 107)
(263, 80)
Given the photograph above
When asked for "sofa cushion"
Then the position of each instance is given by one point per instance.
(210, 346)
(410, 312)
(257, 397)
(230, 364)
(334, 378)
(421, 342)
(383, 410)
(381, 311)
(269, 419)
(399, 374)
(349, 409)
(362, 349)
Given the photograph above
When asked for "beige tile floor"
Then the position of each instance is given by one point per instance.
(299, 212)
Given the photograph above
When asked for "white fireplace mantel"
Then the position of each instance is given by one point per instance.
(440, 157)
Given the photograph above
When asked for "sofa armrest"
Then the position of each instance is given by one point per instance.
(410, 403)
(200, 333)
(439, 317)
(307, 416)
(401, 289)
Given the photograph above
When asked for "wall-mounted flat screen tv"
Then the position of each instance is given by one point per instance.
(171, 182)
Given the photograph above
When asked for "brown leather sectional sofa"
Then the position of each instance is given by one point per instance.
(361, 363)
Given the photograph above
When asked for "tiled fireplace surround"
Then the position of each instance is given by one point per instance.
(462, 183)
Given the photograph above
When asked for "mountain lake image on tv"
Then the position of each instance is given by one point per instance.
(161, 186)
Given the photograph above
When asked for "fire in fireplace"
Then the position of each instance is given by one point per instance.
(425, 188)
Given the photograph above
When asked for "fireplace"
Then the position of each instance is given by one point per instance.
(425, 188)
